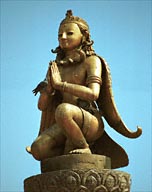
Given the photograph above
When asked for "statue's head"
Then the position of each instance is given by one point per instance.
(74, 28)
(81, 32)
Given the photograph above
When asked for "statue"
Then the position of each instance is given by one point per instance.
(75, 96)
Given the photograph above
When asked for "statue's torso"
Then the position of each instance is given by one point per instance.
(74, 74)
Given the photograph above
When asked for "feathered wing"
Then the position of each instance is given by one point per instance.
(106, 145)
(107, 105)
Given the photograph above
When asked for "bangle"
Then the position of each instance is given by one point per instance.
(64, 85)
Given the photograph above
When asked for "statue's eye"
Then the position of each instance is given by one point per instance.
(60, 35)
(70, 33)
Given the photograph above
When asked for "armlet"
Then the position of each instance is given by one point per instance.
(93, 79)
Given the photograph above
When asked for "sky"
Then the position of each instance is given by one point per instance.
(121, 31)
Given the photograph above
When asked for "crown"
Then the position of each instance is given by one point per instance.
(74, 19)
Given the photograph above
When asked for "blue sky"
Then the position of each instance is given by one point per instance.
(121, 31)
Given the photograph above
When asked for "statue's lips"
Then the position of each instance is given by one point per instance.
(64, 43)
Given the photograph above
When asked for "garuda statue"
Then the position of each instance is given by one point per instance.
(74, 98)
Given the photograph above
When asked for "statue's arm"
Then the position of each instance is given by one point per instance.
(94, 71)
(89, 92)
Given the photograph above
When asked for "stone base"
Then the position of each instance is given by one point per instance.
(76, 161)
(79, 179)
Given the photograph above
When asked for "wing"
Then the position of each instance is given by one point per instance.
(108, 107)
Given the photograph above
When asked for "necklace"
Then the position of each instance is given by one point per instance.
(76, 57)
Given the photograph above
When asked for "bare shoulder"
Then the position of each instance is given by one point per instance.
(93, 60)
(93, 65)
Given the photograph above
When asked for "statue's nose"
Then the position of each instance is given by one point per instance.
(64, 36)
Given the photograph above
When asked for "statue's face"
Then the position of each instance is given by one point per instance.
(69, 36)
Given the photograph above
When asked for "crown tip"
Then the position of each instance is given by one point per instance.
(69, 13)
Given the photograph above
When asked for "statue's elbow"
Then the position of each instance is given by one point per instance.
(94, 97)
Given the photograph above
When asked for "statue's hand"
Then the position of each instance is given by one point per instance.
(40, 87)
(55, 75)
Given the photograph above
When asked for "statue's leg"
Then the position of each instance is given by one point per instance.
(93, 126)
(80, 126)
(48, 143)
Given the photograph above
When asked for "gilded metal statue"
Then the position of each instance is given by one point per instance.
(74, 97)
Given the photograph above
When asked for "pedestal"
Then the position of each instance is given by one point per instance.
(78, 173)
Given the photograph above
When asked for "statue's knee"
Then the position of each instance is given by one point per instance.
(63, 111)
(36, 151)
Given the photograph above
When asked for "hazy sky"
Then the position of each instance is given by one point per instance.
(121, 31)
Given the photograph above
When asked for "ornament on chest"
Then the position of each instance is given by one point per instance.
(75, 57)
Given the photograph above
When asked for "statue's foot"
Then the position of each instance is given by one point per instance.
(28, 149)
(81, 151)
